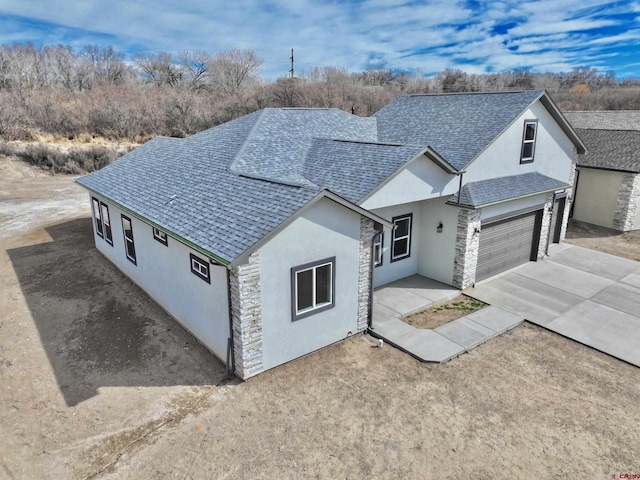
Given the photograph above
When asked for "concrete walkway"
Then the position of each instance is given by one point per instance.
(585, 295)
(409, 295)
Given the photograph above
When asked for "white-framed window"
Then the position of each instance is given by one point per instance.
(312, 288)
(529, 141)
(160, 236)
(129, 244)
(378, 245)
(401, 237)
(97, 216)
(106, 221)
(200, 268)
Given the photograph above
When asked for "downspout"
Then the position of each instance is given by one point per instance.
(371, 267)
(460, 187)
(231, 358)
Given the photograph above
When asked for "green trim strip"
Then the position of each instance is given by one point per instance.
(173, 235)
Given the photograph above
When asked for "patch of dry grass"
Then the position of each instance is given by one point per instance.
(435, 316)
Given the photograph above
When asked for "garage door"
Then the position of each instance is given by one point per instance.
(506, 244)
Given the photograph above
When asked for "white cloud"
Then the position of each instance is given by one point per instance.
(431, 35)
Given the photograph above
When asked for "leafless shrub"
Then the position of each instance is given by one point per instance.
(7, 149)
(88, 159)
(73, 161)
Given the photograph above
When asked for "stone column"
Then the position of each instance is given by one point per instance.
(547, 212)
(364, 272)
(627, 202)
(246, 314)
(467, 245)
(569, 200)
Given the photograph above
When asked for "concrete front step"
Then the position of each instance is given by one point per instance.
(447, 341)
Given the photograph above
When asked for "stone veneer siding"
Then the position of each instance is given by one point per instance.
(627, 202)
(246, 314)
(569, 201)
(364, 272)
(467, 246)
(545, 227)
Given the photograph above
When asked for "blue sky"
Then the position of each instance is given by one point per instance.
(474, 35)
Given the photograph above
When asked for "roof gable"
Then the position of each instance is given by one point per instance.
(353, 169)
(458, 126)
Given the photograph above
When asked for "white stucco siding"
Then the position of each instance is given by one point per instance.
(420, 180)
(164, 272)
(325, 230)
(505, 208)
(390, 271)
(553, 150)
(437, 251)
(596, 196)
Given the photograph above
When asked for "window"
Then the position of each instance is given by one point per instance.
(106, 220)
(401, 237)
(312, 288)
(97, 216)
(129, 245)
(160, 236)
(378, 245)
(200, 267)
(529, 141)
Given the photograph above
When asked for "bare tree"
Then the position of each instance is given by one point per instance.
(286, 93)
(234, 70)
(158, 69)
(196, 65)
(521, 79)
(64, 63)
(108, 64)
(453, 80)
(6, 68)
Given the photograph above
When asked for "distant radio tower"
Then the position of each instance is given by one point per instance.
(291, 58)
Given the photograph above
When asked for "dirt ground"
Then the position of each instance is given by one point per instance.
(606, 240)
(436, 316)
(99, 383)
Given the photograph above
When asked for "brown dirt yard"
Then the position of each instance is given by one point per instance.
(99, 383)
(604, 239)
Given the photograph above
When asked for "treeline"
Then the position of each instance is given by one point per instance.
(97, 91)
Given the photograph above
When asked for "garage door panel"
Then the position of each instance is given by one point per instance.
(505, 244)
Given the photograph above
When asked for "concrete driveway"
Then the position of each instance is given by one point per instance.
(585, 295)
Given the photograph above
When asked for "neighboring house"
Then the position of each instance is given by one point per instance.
(607, 191)
(264, 236)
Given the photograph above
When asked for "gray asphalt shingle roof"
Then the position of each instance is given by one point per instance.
(277, 145)
(611, 150)
(605, 119)
(353, 169)
(457, 126)
(494, 190)
(185, 187)
(226, 188)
